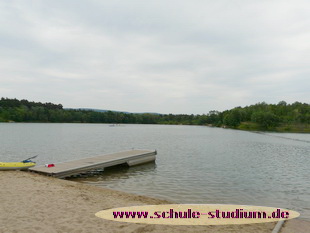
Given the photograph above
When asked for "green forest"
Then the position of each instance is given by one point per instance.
(281, 117)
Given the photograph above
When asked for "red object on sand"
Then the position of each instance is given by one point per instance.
(50, 165)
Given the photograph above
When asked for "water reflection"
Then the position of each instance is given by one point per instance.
(119, 172)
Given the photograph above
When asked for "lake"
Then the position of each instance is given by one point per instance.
(194, 164)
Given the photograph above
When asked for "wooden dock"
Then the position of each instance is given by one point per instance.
(66, 169)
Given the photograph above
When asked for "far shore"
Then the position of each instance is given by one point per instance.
(35, 203)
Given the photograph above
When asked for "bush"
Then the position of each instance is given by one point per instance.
(265, 119)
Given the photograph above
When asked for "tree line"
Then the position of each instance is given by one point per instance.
(260, 116)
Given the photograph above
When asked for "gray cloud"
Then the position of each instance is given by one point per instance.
(158, 56)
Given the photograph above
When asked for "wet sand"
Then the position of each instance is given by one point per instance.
(33, 203)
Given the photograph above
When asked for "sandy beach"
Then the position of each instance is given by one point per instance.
(34, 203)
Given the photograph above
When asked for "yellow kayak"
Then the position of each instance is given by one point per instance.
(16, 166)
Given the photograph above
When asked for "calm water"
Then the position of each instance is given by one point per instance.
(194, 164)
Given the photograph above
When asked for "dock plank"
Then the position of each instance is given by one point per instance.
(69, 168)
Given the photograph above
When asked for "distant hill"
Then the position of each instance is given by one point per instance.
(104, 110)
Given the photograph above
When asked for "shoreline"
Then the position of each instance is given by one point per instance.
(35, 203)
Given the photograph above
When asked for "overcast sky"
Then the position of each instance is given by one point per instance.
(155, 56)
